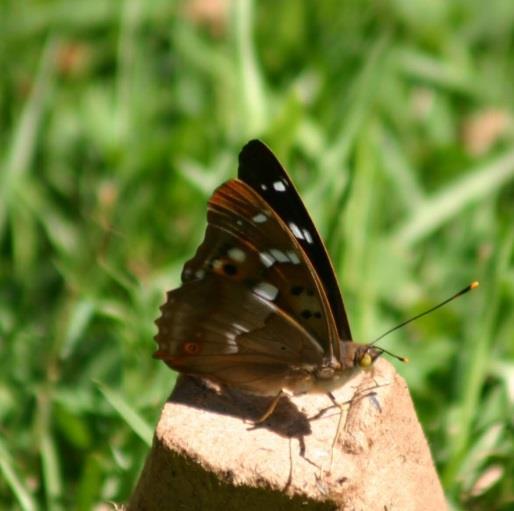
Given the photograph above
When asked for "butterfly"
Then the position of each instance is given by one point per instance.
(259, 308)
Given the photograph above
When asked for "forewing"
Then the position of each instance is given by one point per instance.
(260, 169)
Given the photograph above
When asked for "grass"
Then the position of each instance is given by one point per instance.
(117, 122)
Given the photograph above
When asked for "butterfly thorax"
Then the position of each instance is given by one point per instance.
(333, 373)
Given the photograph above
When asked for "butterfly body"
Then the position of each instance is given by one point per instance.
(259, 308)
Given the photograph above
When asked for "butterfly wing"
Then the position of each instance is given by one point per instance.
(260, 169)
(220, 330)
(246, 242)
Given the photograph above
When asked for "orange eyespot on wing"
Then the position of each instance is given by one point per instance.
(191, 348)
(187, 348)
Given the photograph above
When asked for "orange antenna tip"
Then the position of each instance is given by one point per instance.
(405, 360)
(474, 284)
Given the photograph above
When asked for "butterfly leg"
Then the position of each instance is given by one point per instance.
(271, 408)
(340, 425)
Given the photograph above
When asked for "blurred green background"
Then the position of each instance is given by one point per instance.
(119, 118)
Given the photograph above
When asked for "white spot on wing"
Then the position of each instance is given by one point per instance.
(307, 236)
(296, 231)
(200, 274)
(230, 346)
(236, 254)
(264, 187)
(266, 259)
(240, 328)
(293, 257)
(259, 218)
(279, 255)
(266, 290)
(279, 186)
(239, 222)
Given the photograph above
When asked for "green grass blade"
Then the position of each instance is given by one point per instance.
(14, 481)
(51, 472)
(476, 362)
(255, 111)
(128, 413)
(475, 185)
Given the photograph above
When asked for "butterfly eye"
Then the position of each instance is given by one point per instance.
(366, 360)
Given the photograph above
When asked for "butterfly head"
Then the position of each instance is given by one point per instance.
(365, 356)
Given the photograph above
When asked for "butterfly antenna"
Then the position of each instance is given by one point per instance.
(471, 286)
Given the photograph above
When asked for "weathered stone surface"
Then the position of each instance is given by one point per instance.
(206, 456)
